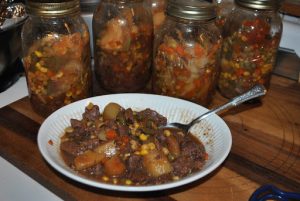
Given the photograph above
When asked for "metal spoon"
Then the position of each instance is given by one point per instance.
(257, 91)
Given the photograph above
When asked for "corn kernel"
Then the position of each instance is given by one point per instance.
(151, 146)
(145, 147)
(143, 137)
(69, 129)
(126, 155)
(133, 144)
(171, 157)
(233, 77)
(208, 71)
(237, 65)
(89, 106)
(44, 70)
(115, 180)
(144, 152)
(181, 133)
(66, 101)
(136, 125)
(167, 133)
(105, 178)
(64, 139)
(41, 68)
(165, 151)
(246, 73)
(38, 53)
(133, 132)
(128, 182)
(59, 74)
(244, 38)
(78, 92)
(175, 177)
(69, 94)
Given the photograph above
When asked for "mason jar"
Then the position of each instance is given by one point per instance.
(224, 8)
(186, 52)
(251, 35)
(123, 38)
(158, 9)
(56, 54)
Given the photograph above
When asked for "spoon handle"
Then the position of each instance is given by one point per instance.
(257, 91)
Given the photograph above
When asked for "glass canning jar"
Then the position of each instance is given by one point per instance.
(186, 52)
(56, 54)
(123, 37)
(224, 8)
(158, 8)
(251, 35)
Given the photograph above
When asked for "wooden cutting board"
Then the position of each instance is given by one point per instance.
(266, 149)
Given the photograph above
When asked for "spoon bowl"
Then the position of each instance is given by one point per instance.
(256, 91)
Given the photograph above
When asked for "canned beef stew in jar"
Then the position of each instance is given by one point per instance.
(251, 35)
(186, 52)
(56, 57)
(123, 37)
(158, 8)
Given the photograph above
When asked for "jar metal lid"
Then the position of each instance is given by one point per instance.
(259, 4)
(191, 9)
(53, 8)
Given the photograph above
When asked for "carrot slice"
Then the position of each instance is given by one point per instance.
(180, 50)
(111, 134)
(198, 50)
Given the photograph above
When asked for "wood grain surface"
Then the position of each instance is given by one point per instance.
(266, 150)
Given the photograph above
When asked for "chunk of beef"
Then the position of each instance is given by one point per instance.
(76, 123)
(71, 148)
(75, 148)
(91, 114)
(134, 162)
(184, 165)
(128, 113)
(79, 129)
(123, 130)
(181, 166)
(152, 116)
(161, 138)
(193, 149)
(94, 170)
(136, 171)
(192, 158)
(90, 143)
(111, 124)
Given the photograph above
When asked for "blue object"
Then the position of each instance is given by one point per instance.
(267, 192)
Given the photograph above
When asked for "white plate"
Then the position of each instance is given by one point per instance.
(213, 132)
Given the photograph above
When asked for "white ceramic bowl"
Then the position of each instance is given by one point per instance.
(213, 132)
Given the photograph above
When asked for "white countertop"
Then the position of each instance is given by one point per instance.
(14, 184)
(15, 92)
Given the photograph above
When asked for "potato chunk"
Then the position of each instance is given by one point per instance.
(108, 149)
(156, 163)
(111, 111)
(87, 159)
(114, 166)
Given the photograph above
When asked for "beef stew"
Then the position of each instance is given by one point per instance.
(125, 147)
